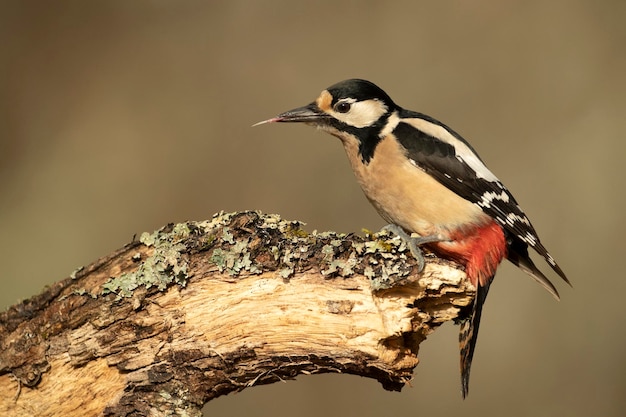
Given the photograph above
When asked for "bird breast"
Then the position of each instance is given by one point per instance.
(405, 195)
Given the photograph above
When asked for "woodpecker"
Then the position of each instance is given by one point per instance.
(432, 187)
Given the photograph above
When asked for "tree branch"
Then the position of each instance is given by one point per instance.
(201, 309)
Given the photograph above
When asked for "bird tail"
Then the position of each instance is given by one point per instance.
(468, 334)
(518, 255)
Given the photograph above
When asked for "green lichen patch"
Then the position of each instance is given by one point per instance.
(168, 264)
(284, 247)
(77, 271)
(252, 242)
(235, 258)
(390, 266)
(342, 267)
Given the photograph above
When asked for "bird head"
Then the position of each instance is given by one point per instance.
(347, 105)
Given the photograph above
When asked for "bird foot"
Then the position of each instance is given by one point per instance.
(413, 242)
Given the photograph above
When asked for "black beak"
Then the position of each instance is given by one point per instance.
(307, 114)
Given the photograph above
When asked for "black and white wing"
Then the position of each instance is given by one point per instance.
(447, 157)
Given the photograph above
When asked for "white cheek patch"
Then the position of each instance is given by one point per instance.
(362, 113)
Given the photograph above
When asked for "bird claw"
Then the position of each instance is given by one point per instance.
(413, 243)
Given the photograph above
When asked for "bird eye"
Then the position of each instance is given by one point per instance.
(342, 107)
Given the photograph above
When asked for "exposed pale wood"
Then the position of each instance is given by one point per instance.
(201, 309)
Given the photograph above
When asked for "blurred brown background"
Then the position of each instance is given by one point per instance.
(117, 117)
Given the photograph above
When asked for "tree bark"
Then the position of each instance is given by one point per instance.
(201, 309)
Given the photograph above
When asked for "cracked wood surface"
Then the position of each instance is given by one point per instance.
(201, 309)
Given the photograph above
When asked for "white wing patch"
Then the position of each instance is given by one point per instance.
(463, 152)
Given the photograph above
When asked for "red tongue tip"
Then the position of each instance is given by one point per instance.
(272, 120)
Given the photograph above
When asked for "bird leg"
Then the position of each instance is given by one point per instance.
(414, 242)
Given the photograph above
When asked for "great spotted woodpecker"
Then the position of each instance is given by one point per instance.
(425, 179)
